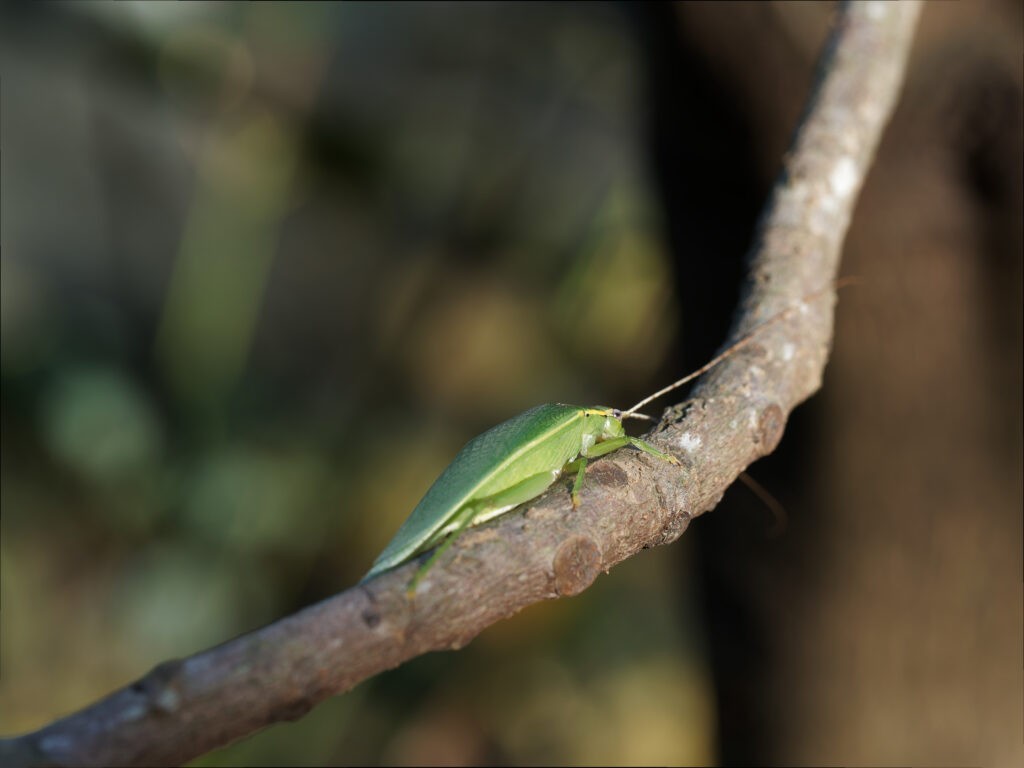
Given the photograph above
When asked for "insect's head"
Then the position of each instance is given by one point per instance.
(606, 422)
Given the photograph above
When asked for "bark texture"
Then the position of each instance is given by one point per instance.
(544, 550)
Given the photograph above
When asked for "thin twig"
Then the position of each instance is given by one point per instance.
(185, 708)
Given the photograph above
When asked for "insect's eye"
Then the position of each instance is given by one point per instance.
(616, 413)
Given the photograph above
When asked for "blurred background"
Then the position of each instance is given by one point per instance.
(266, 267)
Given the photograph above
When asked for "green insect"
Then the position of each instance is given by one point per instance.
(505, 466)
(518, 460)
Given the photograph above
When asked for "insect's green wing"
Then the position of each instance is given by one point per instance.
(542, 438)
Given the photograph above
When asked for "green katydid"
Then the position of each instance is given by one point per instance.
(518, 460)
(505, 466)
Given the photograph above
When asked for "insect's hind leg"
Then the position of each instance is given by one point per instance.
(464, 517)
(484, 509)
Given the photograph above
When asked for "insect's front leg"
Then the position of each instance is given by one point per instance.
(648, 448)
(607, 446)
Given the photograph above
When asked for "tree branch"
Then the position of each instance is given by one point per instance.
(631, 502)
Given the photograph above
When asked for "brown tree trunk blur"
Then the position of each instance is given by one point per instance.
(885, 622)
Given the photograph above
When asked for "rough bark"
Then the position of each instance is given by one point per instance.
(545, 549)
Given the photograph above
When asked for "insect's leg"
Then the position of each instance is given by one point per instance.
(648, 448)
(464, 517)
(607, 446)
(576, 466)
(484, 509)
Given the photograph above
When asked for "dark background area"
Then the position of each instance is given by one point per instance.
(266, 267)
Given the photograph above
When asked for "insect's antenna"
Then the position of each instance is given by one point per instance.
(774, 505)
(642, 416)
(746, 339)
